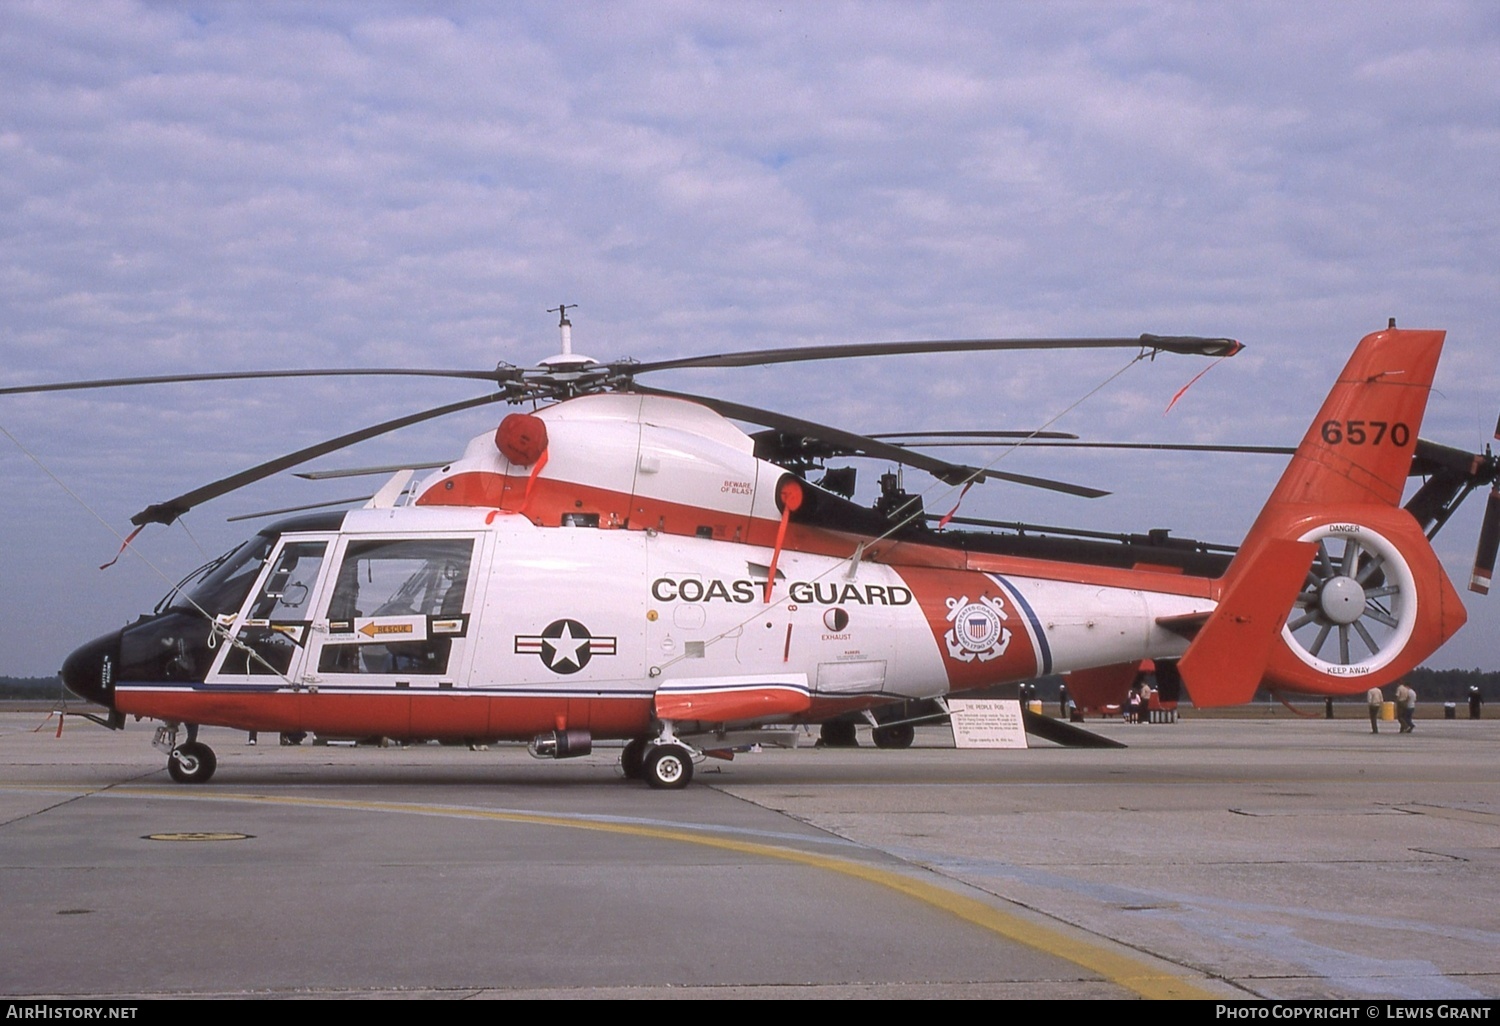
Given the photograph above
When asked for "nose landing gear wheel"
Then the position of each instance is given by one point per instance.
(668, 767)
(192, 763)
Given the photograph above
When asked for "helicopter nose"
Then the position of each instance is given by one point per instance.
(89, 671)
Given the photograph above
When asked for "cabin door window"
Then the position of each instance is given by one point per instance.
(397, 607)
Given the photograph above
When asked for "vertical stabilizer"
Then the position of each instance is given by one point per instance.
(1359, 448)
(1374, 600)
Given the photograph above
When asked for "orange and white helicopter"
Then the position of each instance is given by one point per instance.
(625, 563)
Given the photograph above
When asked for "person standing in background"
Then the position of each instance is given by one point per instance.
(1406, 707)
(1376, 700)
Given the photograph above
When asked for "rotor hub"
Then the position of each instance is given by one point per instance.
(1342, 599)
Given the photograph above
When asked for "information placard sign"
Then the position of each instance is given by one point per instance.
(987, 723)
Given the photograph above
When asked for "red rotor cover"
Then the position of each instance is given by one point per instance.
(521, 438)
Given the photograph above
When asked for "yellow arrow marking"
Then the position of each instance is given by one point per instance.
(369, 630)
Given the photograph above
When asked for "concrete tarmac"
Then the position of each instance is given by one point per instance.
(1266, 857)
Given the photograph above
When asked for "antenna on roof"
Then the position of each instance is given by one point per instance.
(564, 325)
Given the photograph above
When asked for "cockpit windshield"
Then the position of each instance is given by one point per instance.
(220, 587)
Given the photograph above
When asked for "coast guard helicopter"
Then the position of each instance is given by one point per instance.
(625, 563)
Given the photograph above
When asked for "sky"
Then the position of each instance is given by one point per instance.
(221, 186)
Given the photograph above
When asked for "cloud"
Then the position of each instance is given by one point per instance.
(242, 186)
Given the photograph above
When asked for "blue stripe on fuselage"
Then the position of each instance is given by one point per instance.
(1043, 649)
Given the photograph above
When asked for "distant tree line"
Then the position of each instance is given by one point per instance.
(1436, 686)
(31, 688)
(1453, 685)
(1430, 685)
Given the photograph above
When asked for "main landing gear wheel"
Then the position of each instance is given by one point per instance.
(899, 735)
(1358, 606)
(633, 759)
(668, 767)
(192, 763)
(838, 734)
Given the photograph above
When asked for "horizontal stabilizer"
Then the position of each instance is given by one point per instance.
(1186, 625)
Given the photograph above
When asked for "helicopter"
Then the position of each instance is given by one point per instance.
(623, 563)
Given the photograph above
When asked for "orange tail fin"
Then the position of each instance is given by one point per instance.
(1374, 601)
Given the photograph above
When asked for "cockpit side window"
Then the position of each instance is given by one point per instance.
(280, 613)
(227, 580)
(286, 591)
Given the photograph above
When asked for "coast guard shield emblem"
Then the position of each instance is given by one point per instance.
(978, 630)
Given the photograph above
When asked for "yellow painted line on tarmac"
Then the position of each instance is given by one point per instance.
(1132, 973)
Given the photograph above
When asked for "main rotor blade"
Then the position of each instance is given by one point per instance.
(499, 375)
(297, 509)
(1021, 527)
(393, 468)
(951, 473)
(1268, 450)
(166, 512)
(1429, 457)
(1190, 345)
(973, 434)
